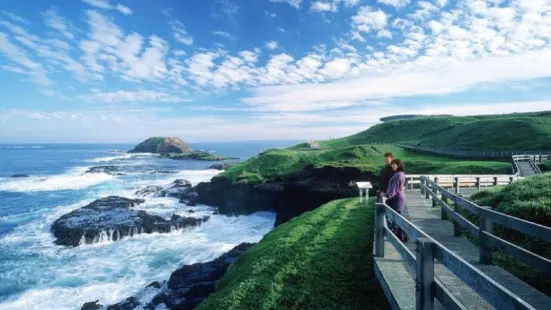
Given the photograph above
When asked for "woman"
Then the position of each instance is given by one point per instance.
(396, 196)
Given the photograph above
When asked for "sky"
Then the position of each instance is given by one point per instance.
(235, 70)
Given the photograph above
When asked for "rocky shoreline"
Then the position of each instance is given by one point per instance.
(288, 197)
(186, 288)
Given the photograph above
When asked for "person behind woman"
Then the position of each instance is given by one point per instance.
(396, 196)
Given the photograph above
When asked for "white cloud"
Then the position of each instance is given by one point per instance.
(320, 6)
(180, 33)
(54, 21)
(132, 96)
(336, 68)
(34, 71)
(16, 18)
(104, 4)
(439, 76)
(367, 20)
(441, 3)
(272, 45)
(293, 3)
(223, 34)
(395, 3)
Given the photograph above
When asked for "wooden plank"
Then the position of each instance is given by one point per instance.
(412, 230)
(446, 298)
(404, 252)
(424, 269)
(386, 289)
(541, 263)
(463, 222)
(485, 249)
(465, 204)
(529, 228)
(493, 292)
(379, 230)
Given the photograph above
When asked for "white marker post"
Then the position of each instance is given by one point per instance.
(364, 186)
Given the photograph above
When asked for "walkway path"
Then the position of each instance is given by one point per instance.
(421, 213)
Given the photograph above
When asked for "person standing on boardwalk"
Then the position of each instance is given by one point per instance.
(395, 194)
(385, 176)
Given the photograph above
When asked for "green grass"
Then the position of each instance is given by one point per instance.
(529, 199)
(527, 131)
(277, 163)
(320, 260)
(546, 166)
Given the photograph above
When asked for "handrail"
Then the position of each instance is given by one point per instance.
(484, 233)
(471, 153)
(428, 249)
(531, 159)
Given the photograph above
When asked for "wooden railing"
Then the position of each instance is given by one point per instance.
(474, 154)
(429, 288)
(483, 232)
(456, 181)
(532, 160)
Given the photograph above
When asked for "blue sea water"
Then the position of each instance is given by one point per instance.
(36, 274)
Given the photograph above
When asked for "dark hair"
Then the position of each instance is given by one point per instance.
(399, 163)
(389, 155)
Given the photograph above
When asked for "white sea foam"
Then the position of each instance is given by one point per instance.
(74, 179)
(123, 156)
(66, 278)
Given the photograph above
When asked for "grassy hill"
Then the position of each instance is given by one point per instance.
(531, 131)
(320, 260)
(526, 131)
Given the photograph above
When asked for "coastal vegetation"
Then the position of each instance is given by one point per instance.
(528, 199)
(320, 260)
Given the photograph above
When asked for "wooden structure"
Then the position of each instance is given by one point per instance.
(441, 269)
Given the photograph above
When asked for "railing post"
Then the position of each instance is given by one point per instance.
(457, 185)
(457, 232)
(511, 179)
(421, 183)
(485, 225)
(442, 209)
(424, 283)
(435, 191)
(427, 195)
(478, 184)
(379, 230)
(495, 181)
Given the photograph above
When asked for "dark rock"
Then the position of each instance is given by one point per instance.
(162, 145)
(288, 197)
(151, 190)
(92, 305)
(20, 175)
(112, 170)
(155, 284)
(177, 189)
(113, 218)
(181, 183)
(189, 285)
(222, 166)
(190, 211)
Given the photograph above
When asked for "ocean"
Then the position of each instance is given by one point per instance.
(37, 274)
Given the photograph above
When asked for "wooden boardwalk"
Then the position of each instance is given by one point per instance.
(399, 277)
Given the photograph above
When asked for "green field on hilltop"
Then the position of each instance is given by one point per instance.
(369, 158)
(320, 260)
(526, 131)
(528, 199)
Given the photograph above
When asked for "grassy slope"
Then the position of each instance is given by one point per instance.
(364, 150)
(273, 163)
(529, 199)
(500, 132)
(320, 260)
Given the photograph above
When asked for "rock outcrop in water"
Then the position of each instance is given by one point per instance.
(288, 196)
(222, 166)
(112, 170)
(113, 218)
(162, 145)
(177, 189)
(186, 288)
(20, 175)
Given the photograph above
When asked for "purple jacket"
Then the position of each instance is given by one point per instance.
(396, 197)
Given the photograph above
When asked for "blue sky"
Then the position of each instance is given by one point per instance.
(230, 70)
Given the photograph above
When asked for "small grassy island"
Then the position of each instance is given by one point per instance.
(175, 148)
